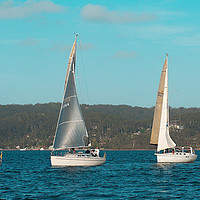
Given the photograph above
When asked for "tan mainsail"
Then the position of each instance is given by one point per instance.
(158, 108)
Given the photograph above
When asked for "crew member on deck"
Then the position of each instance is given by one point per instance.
(97, 152)
(87, 151)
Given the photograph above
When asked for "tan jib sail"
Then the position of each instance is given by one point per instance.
(158, 108)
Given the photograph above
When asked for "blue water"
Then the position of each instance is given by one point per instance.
(125, 175)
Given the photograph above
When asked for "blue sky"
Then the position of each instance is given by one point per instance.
(121, 50)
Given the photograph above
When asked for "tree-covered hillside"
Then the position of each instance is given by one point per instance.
(112, 127)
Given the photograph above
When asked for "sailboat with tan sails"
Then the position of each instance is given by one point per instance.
(167, 151)
(71, 134)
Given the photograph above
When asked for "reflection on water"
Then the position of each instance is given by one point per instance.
(165, 165)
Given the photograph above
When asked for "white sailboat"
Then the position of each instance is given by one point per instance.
(71, 132)
(166, 151)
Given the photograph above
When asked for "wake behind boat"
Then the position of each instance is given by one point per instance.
(166, 151)
(71, 131)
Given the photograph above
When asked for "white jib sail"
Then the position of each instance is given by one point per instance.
(164, 140)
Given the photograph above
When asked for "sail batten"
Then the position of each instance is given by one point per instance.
(71, 130)
(160, 130)
(70, 97)
(71, 122)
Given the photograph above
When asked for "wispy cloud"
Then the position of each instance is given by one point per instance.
(86, 46)
(164, 29)
(124, 54)
(64, 48)
(61, 48)
(97, 13)
(28, 42)
(192, 40)
(12, 10)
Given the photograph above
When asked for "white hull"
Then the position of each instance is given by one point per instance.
(176, 157)
(77, 160)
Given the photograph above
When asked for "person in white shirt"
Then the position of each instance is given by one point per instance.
(97, 152)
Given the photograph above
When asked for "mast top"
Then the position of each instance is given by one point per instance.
(76, 34)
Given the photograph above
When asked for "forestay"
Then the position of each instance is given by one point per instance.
(71, 130)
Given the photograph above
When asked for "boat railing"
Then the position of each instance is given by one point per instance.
(177, 151)
(79, 154)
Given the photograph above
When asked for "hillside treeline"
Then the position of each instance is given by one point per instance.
(109, 126)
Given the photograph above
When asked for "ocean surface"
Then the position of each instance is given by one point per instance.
(125, 175)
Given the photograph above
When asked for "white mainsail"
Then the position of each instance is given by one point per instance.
(71, 131)
(160, 131)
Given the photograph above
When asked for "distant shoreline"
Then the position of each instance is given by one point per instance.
(80, 149)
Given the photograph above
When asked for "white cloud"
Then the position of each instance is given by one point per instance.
(124, 54)
(97, 13)
(12, 10)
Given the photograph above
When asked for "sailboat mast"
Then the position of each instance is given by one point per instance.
(167, 92)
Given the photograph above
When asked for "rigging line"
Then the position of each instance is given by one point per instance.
(179, 120)
(83, 67)
(78, 77)
(174, 95)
